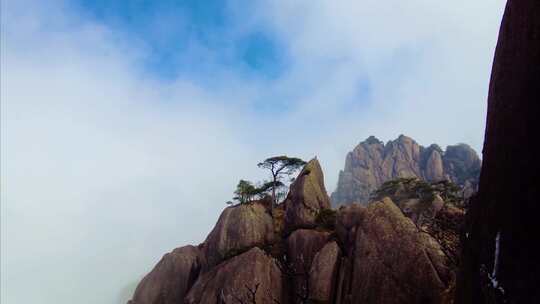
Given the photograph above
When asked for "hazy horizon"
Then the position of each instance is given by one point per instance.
(126, 125)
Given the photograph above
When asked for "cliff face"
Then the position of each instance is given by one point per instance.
(386, 252)
(500, 256)
(372, 163)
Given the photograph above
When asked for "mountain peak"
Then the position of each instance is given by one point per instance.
(368, 168)
(372, 140)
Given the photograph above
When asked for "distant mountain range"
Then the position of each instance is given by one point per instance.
(372, 163)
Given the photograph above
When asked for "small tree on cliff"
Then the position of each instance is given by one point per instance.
(267, 187)
(245, 191)
(280, 166)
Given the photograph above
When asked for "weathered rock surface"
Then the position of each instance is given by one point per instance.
(500, 261)
(238, 229)
(171, 278)
(233, 278)
(323, 274)
(372, 163)
(306, 197)
(363, 254)
(434, 166)
(423, 203)
(302, 246)
(394, 262)
(348, 218)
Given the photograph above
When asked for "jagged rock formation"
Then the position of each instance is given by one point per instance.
(373, 254)
(500, 261)
(372, 163)
(306, 197)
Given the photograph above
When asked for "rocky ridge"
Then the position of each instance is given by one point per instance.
(365, 254)
(372, 163)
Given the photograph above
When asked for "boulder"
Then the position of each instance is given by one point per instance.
(323, 274)
(171, 278)
(238, 229)
(394, 262)
(307, 195)
(233, 279)
(302, 246)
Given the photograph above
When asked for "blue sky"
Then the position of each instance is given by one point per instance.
(126, 125)
(173, 30)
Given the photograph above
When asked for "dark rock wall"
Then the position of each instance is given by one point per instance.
(507, 204)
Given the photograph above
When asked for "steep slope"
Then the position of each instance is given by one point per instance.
(380, 253)
(372, 163)
(393, 261)
(306, 197)
(501, 255)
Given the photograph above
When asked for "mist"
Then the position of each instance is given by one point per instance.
(106, 166)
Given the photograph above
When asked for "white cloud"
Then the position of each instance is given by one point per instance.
(104, 169)
(427, 63)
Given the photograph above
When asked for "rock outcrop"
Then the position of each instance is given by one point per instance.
(253, 271)
(500, 261)
(171, 278)
(238, 229)
(323, 274)
(392, 261)
(372, 163)
(302, 247)
(379, 253)
(306, 197)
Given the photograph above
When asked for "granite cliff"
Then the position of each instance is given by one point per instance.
(401, 248)
(372, 163)
(500, 258)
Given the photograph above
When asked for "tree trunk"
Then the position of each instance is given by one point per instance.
(273, 193)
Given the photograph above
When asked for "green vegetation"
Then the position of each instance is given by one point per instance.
(245, 191)
(416, 188)
(326, 219)
(275, 190)
(279, 167)
(447, 190)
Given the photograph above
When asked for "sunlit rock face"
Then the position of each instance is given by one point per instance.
(372, 163)
(501, 255)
